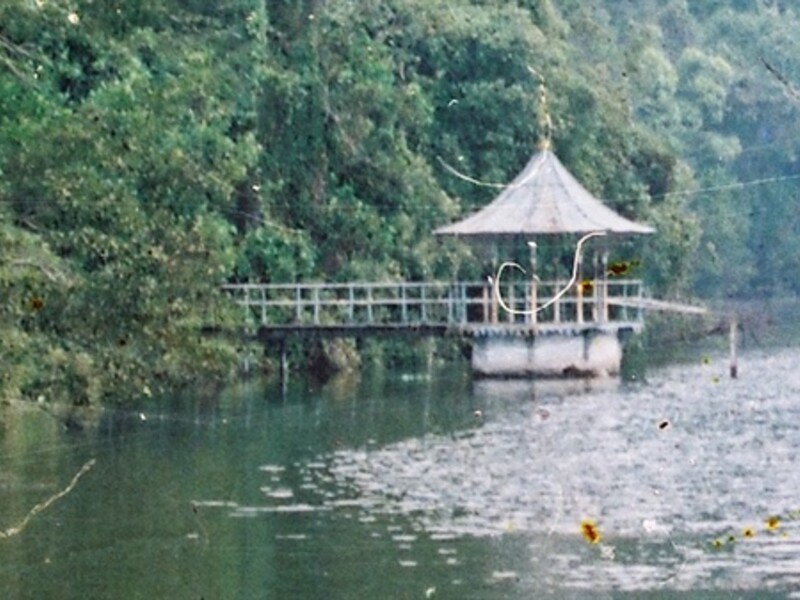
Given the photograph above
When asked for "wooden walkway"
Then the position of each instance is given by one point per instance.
(436, 308)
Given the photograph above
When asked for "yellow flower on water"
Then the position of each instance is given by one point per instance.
(590, 531)
(748, 532)
(716, 543)
(772, 523)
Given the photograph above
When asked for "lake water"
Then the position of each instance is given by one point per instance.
(407, 486)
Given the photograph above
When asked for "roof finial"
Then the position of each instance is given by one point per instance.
(545, 122)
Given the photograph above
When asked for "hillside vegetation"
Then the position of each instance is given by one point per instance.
(151, 150)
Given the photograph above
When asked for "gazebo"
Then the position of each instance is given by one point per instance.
(545, 202)
(544, 199)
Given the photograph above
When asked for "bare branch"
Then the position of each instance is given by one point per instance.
(790, 89)
(12, 67)
(54, 276)
(12, 47)
(17, 529)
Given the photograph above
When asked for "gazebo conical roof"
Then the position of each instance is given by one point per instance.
(544, 199)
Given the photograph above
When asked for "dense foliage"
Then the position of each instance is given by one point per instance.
(153, 149)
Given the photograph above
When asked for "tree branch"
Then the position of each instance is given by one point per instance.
(790, 89)
(17, 529)
(54, 276)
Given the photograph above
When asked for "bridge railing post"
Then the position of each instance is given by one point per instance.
(557, 304)
(351, 303)
(403, 303)
(464, 302)
(315, 299)
(263, 306)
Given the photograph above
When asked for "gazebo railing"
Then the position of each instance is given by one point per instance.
(437, 303)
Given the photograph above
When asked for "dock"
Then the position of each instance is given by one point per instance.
(559, 339)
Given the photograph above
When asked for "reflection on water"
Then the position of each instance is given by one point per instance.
(421, 487)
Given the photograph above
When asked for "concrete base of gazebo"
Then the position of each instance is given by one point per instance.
(565, 353)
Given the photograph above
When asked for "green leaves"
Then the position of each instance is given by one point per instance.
(152, 149)
(128, 172)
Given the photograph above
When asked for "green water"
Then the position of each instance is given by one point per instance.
(393, 486)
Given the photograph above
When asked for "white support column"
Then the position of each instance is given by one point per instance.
(534, 299)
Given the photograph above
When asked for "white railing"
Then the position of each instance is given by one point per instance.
(436, 303)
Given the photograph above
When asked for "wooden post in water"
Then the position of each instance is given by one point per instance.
(284, 365)
(732, 335)
(534, 299)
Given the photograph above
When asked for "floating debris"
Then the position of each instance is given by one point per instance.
(653, 527)
(772, 523)
(590, 531)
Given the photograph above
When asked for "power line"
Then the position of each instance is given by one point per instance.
(729, 186)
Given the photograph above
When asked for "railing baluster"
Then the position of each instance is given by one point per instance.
(403, 304)
(464, 306)
(316, 304)
(263, 306)
(351, 307)
(449, 298)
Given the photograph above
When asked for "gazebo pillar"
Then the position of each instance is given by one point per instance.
(494, 308)
(579, 292)
(603, 285)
